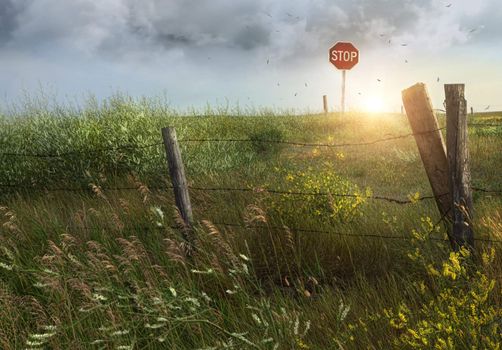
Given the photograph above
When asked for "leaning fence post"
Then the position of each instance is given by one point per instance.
(430, 144)
(178, 178)
(458, 159)
(325, 103)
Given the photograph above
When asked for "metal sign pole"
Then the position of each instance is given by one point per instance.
(344, 71)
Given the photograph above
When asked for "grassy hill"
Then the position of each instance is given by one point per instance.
(92, 255)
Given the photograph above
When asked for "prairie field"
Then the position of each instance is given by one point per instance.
(311, 232)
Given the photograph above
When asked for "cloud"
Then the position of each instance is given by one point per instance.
(252, 37)
(9, 11)
(118, 28)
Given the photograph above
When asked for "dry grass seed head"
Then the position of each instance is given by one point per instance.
(290, 243)
(142, 188)
(117, 222)
(68, 241)
(78, 285)
(98, 191)
(220, 243)
(125, 205)
(254, 214)
(180, 222)
(175, 252)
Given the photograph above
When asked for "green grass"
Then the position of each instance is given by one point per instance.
(99, 269)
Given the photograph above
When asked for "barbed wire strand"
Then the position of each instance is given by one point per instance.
(293, 193)
(307, 144)
(63, 154)
(364, 235)
(285, 227)
(257, 190)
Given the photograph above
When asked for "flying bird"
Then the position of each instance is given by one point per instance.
(404, 44)
(487, 108)
(305, 84)
(289, 14)
(449, 5)
(438, 80)
(378, 80)
(296, 93)
(405, 61)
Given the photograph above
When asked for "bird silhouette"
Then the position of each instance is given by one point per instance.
(438, 80)
(378, 80)
(449, 5)
(404, 44)
(487, 108)
(305, 84)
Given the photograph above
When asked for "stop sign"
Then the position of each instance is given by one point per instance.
(344, 55)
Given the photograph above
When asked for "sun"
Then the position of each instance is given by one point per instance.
(373, 104)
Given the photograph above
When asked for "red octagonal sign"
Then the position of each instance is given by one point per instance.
(344, 55)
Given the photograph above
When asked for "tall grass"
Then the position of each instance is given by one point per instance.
(102, 269)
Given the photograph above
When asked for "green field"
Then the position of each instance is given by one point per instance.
(92, 255)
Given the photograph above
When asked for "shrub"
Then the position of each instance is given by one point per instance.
(260, 137)
(321, 194)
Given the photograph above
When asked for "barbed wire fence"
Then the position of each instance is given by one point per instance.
(255, 190)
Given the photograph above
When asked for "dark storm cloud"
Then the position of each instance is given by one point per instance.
(252, 37)
(115, 27)
(9, 11)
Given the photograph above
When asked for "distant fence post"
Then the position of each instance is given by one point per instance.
(178, 179)
(458, 159)
(325, 103)
(430, 144)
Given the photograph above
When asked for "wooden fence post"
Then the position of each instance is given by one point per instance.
(430, 144)
(458, 159)
(178, 179)
(325, 103)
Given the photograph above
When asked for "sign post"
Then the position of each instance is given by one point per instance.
(344, 56)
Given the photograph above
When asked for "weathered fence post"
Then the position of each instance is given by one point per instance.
(430, 144)
(458, 160)
(178, 179)
(325, 103)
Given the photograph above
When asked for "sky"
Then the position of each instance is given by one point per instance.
(251, 53)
